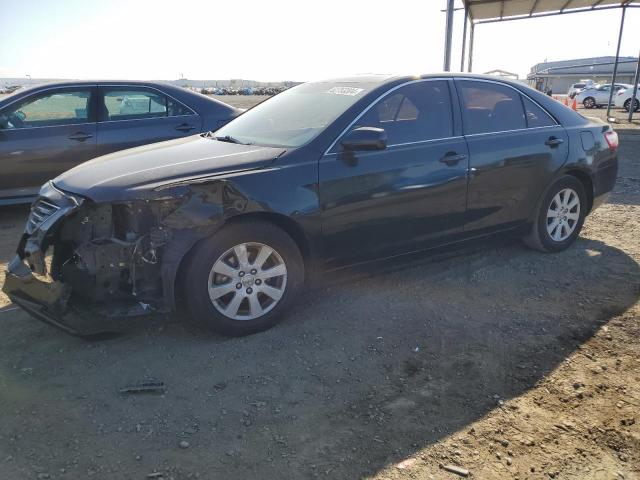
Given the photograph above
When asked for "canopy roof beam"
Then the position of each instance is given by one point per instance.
(500, 10)
(562, 9)
(551, 14)
(533, 7)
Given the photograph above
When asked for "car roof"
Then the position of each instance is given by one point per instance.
(182, 94)
(386, 78)
(82, 83)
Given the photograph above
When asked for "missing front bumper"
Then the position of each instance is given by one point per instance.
(49, 302)
(45, 301)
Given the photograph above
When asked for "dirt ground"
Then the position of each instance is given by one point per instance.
(505, 362)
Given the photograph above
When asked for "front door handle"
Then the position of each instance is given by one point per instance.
(185, 127)
(452, 158)
(80, 136)
(553, 142)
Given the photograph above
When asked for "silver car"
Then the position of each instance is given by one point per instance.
(623, 99)
(598, 95)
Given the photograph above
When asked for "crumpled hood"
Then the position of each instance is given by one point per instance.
(134, 173)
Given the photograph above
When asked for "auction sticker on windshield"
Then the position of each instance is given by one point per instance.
(351, 91)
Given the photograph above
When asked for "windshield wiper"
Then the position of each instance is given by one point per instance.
(230, 139)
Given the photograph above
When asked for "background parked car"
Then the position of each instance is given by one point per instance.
(48, 129)
(575, 88)
(623, 99)
(598, 95)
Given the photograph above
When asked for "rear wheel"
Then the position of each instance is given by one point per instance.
(589, 102)
(636, 105)
(242, 279)
(560, 216)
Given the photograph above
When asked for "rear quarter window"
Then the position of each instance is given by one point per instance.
(536, 116)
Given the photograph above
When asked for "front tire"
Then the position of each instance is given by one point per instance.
(560, 216)
(589, 102)
(242, 279)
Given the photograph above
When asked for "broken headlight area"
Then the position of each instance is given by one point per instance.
(45, 217)
(109, 254)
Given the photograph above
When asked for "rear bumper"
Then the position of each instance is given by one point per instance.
(604, 181)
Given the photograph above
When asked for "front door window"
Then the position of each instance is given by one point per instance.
(50, 109)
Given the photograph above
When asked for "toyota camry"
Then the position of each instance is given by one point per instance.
(322, 176)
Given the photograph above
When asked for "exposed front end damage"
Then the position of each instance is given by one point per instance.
(85, 266)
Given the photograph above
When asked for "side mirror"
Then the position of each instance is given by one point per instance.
(365, 138)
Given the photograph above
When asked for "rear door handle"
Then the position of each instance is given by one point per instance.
(185, 127)
(553, 142)
(80, 136)
(452, 158)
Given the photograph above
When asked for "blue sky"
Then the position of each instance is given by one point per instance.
(278, 39)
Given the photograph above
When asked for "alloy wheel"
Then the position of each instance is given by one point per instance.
(636, 105)
(563, 214)
(589, 102)
(247, 281)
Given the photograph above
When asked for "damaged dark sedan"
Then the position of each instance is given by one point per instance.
(325, 175)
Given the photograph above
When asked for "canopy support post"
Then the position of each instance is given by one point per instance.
(615, 65)
(636, 79)
(464, 37)
(448, 36)
(472, 29)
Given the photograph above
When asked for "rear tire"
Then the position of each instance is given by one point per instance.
(589, 102)
(243, 278)
(636, 105)
(560, 216)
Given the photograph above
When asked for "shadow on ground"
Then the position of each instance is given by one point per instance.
(364, 372)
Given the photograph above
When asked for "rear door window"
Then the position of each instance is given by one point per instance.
(134, 104)
(490, 107)
(415, 112)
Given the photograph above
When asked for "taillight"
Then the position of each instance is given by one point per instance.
(612, 139)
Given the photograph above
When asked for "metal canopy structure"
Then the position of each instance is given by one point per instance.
(498, 10)
(490, 11)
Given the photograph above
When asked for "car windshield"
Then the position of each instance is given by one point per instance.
(296, 116)
(579, 85)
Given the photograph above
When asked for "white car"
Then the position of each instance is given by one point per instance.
(577, 87)
(623, 99)
(598, 95)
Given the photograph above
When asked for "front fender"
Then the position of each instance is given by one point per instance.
(209, 204)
